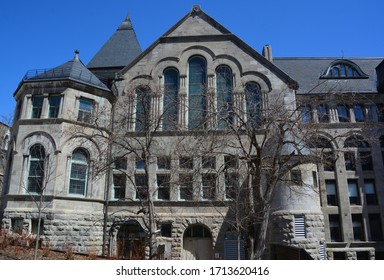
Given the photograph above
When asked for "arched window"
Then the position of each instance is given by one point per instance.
(197, 101)
(343, 113)
(79, 172)
(342, 69)
(356, 142)
(143, 108)
(253, 103)
(224, 85)
(170, 101)
(306, 114)
(324, 148)
(36, 164)
(361, 151)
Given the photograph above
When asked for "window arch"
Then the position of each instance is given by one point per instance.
(342, 69)
(253, 104)
(197, 101)
(356, 142)
(36, 166)
(360, 150)
(197, 230)
(143, 108)
(171, 99)
(224, 96)
(79, 172)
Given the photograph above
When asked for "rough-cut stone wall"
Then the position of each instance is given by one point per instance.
(283, 231)
(179, 225)
(82, 233)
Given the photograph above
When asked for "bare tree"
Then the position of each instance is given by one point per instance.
(41, 173)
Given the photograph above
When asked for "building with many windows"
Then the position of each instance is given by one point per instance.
(143, 154)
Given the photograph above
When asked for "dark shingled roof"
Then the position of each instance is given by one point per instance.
(307, 72)
(119, 50)
(73, 70)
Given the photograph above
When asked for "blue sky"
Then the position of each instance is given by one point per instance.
(44, 34)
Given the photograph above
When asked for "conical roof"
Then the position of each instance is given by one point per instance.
(119, 50)
(73, 70)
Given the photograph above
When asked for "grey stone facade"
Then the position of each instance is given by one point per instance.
(84, 195)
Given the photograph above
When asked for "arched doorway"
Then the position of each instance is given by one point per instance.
(197, 243)
(131, 241)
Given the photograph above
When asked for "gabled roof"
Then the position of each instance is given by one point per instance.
(187, 28)
(308, 72)
(121, 48)
(73, 70)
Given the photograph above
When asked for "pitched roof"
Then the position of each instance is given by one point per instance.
(121, 48)
(308, 71)
(73, 70)
(188, 27)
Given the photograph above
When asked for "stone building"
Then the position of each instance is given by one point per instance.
(4, 141)
(148, 149)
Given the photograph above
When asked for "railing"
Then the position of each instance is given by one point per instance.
(62, 73)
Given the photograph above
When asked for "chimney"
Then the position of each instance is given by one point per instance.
(267, 52)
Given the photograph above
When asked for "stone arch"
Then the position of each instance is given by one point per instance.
(322, 140)
(130, 240)
(167, 62)
(261, 79)
(192, 51)
(40, 137)
(197, 242)
(87, 143)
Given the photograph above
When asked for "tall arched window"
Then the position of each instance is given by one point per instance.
(170, 101)
(253, 103)
(197, 101)
(79, 172)
(36, 166)
(143, 108)
(224, 85)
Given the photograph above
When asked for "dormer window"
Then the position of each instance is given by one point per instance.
(343, 69)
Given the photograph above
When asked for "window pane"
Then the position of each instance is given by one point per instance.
(54, 106)
(230, 161)
(164, 162)
(208, 162)
(366, 160)
(253, 103)
(322, 113)
(306, 114)
(143, 108)
(359, 113)
(375, 227)
(85, 110)
(224, 86)
(171, 92)
(334, 227)
(119, 182)
(357, 224)
(343, 113)
(350, 162)
(353, 192)
(79, 172)
(186, 186)
(208, 186)
(186, 162)
(370, 192)
(197, 103)
(332, 199)
(36, 169)
(231, 185)
(37, 105)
